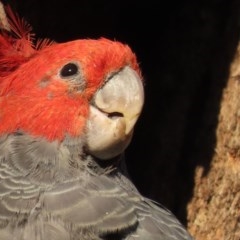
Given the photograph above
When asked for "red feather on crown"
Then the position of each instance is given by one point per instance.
(17, 45)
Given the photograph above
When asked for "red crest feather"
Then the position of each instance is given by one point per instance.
(17, 43)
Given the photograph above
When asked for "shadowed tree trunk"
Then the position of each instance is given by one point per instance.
(185, 150)
(214, 211)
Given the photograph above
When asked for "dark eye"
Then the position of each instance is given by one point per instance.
(69, 70)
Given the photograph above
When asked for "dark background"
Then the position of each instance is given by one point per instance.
(184, 49)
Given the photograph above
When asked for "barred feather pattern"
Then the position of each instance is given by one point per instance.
(44, 196)
(51, 188)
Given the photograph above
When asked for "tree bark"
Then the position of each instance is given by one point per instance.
(214, 211)
(3, 18)
(183, 64)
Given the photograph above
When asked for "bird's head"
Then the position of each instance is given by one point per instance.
(90, 88)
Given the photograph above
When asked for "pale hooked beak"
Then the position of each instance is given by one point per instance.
(113, 114)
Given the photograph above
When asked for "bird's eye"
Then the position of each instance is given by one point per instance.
(69, 70)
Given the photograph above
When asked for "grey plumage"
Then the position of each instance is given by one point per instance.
(63, 108)
(44, 196)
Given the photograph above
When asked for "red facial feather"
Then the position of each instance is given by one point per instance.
(33, 96)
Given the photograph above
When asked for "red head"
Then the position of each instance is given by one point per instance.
(45, 89)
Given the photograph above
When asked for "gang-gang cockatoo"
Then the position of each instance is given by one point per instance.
(67, 113)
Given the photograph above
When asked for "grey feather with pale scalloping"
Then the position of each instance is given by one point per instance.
(43, 195)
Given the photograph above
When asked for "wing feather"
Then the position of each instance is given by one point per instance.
(78, 206)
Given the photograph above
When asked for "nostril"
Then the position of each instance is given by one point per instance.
(115, 115)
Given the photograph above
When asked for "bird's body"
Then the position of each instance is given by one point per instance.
(61, 197)
(67, 114)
